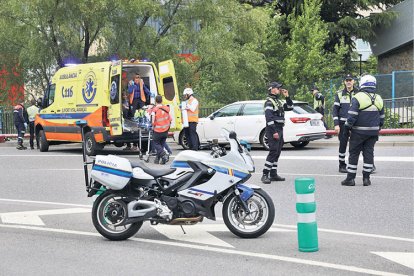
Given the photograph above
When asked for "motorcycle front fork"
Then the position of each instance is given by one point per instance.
(242, 202)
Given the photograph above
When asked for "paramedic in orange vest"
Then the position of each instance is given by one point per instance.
(192, 112)
(161, 121)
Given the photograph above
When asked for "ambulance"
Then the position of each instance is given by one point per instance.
(93, 92)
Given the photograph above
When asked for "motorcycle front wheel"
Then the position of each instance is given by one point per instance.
(108, 214)
(252, 225)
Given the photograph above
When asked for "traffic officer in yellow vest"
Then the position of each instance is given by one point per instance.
(365, 118)
(275, 120)
(192, 107)
(341, 106)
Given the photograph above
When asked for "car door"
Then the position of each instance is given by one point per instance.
(223, 118)
(250, 122)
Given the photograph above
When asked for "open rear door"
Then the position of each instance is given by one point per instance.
(115, 99)
(168, 89)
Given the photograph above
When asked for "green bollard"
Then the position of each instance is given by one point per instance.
(306, 207)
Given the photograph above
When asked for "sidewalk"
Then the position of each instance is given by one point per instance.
(388, 141)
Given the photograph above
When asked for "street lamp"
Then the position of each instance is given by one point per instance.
(360, 64)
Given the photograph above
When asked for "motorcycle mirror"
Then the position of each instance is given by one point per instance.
(233, 135)
(215, 141)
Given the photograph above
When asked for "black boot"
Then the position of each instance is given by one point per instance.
(348, 182)
(164, 159)
(276, 178)
(265, 179)
(366, 181)
(156, 160)
(342, 168)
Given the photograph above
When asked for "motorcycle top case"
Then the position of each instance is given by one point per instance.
(111, 171)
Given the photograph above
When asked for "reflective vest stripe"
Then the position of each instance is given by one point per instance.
(161, 120)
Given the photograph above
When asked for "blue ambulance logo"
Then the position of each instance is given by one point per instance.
(89, 88)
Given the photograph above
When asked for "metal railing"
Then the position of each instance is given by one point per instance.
(399, 113)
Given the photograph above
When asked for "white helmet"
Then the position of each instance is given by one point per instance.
(368, 81)
(188, 91)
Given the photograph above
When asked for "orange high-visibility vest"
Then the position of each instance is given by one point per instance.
(192, 116)
(162, 118)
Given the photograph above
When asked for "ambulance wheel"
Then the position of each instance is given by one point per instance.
(91, 147)
(43, 143)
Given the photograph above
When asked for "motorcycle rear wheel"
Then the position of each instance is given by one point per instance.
(254, 224)
(108, 213)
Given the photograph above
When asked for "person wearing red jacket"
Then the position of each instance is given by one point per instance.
(161, 121)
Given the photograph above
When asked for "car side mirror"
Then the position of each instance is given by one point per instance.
(212, 116)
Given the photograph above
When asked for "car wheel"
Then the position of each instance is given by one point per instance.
(182, 139)
(263, 140)
(299, 144)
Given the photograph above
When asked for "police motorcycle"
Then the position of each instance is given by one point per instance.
(130, 193)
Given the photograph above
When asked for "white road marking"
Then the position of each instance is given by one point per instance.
(194, 234)
(335, 158)
(199, 233)
(219, 218)
(259, 157)
(33, 217)
(343, 176)
(403, 258)
(44, 202)
(350, 233)
(217, 250)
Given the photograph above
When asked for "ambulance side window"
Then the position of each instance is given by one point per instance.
(49, 96)
(169, 92)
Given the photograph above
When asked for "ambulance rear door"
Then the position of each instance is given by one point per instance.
(168, 89)
(115, 99)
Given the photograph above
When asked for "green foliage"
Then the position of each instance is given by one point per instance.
(307, 62)
(391, 119)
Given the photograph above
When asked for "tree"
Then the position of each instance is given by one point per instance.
(347, 19)
(307, 62)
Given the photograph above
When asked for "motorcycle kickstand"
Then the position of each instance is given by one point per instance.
(182, 228)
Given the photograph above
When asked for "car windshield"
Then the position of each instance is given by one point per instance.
(303, 108)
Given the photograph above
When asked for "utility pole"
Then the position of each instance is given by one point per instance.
(360, 64)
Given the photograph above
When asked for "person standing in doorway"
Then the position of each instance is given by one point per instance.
(192, 107)
(341, 106)
(32, 111)
(275, 120)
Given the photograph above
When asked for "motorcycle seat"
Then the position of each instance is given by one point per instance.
(154, 172)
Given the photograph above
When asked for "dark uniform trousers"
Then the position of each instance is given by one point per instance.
(275, 148)
(191, 135)
(343, 138)
(357, 143)
(32, 135)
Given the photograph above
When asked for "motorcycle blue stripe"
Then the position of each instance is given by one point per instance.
(180, 164)
(201, 191)
(112, 171)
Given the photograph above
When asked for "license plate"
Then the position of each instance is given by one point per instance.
(315, 122)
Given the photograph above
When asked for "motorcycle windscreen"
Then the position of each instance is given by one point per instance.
(115, 99)
(169, 91)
